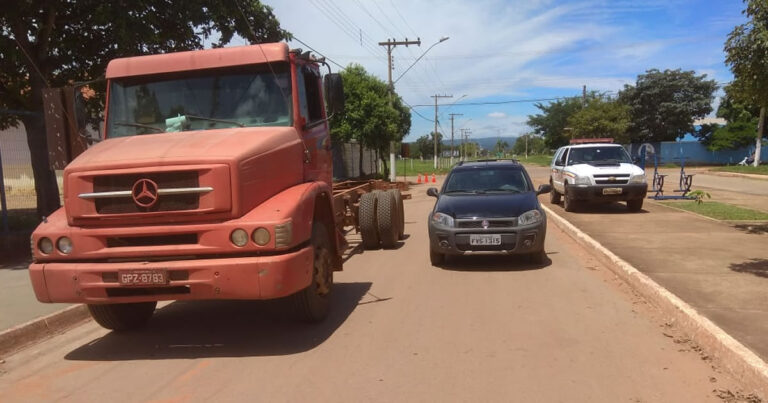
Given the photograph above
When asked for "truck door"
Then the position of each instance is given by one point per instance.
(315, 132)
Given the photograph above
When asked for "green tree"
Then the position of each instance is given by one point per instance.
(425, 145)
(553, 120)
(742, 120)
(53, 43)
(368, 116)
(501, 146)
(746, 53)
(535, 145)
(664, 104)
(601, 117)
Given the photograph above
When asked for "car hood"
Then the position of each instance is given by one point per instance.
(487, 205)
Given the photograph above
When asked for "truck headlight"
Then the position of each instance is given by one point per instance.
(64, 245)
(442, 219)
(239, 237)
(260, 236)
(530, 217)
(581, 180)
(45, 245)
(637, 179)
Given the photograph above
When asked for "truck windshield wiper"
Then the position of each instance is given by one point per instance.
(156, 129)
(231, 122)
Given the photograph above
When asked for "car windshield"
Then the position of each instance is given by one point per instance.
(203, 100)
(598, 156)
(487, 180)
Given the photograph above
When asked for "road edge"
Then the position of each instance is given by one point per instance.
(36, 330)
(736, 358)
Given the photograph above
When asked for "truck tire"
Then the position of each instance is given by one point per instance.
(312, 303)
(554, 195)
(387, 219)
(366, 217)
(121, 317)
(635, 205)
(400, 213)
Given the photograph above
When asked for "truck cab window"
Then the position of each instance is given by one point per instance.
(309, 93)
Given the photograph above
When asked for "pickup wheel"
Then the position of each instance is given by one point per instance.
(387, 219)
(366, 218)
(568, 203)
(312, 303)
(554, 195)
(635, 205)
(121, 317)
(436, 258)
(400, 213)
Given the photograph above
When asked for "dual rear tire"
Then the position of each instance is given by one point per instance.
(381, 219)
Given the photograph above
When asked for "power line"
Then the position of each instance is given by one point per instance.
(318, 52)
(512, 101)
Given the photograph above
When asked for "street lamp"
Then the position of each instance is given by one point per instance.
(443, 39)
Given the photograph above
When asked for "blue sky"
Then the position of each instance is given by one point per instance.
(513, 50)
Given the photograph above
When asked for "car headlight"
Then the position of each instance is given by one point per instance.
(442, 219)
(581, 180)
(637, 179)
(530, 217)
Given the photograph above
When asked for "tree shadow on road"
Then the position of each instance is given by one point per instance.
(198, 329)
(491, 263)
(758, 267)
(756, 229)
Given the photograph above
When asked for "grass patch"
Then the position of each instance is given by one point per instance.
(758, 170)
(542, 160)
(720, 211)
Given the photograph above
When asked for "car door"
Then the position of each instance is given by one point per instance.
(558, 164)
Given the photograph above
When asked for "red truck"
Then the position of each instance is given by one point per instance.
(214, 181)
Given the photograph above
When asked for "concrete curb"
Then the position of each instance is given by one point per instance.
(733, 356)
(737, 175)
(32, 332)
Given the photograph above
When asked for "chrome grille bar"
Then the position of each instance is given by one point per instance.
(127, 193)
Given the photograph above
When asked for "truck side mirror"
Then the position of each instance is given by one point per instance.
(333, 87)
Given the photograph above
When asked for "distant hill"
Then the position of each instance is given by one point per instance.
(486, 143)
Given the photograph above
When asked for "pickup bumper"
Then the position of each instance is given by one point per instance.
(597, 192)
(259, 277)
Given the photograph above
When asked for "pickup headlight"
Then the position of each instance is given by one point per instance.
(637, 179)
(442, 219)
(581, 180)
(530, 217)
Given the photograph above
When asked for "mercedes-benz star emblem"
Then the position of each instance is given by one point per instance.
(485, 224)
(144, 193)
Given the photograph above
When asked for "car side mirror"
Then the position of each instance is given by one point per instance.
(333, 87)
(432, 192)
(544, 189)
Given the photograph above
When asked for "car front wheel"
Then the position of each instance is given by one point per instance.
(436, 258)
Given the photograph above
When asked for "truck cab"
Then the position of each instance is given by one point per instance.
(213, 182)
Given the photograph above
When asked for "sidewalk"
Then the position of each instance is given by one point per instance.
(17, 299)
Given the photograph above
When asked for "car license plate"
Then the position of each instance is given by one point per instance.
(142, 277)
(611, 191)
(484, 240)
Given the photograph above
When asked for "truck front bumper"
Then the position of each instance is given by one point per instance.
(257, 277)
(597, 192)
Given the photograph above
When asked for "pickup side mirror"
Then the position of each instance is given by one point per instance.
(544, 189)
(432, 192)
(333, 86)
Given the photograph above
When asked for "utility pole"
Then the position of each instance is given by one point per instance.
(464, 140)
(452, 115)
(437, 96)
(584, 95)
(390, 44)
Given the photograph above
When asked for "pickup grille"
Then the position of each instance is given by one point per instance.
(608, 179)
(164, 180)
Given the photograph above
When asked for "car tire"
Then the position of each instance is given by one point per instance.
(635, 205)
(400, 213)
(568, 203)
(387, 219)
(538, 257)
(366, 216)
(121, 317)
(436, 258)
(312, 304)
(554, 195)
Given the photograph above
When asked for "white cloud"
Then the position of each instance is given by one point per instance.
(497, 115)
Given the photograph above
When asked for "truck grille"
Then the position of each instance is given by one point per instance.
(164, 180)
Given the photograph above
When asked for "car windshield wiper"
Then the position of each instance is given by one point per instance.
(464, 191)
(502, 190)
(156, 129)
(231, 122)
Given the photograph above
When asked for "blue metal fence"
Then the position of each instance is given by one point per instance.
(694, 153)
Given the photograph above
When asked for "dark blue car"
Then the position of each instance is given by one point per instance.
(487, 206)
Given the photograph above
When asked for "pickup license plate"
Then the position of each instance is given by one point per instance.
(484, 240)
(142, 277)
(611, 191)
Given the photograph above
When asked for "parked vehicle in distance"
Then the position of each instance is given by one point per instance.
(487, 206)
(596, 172)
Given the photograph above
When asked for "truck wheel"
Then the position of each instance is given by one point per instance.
(436, 258)
(568, 203)
(312, 303)
(121, 317)
(366, 217)
(400, 213)
(635, 204)
(387, 219)
(554, 195)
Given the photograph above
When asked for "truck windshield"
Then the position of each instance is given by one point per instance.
(598, 156)
(200, 100)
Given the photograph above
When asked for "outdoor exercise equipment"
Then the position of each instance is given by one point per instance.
(684, 185)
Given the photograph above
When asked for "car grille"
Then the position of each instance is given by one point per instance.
(492, 223)
(609, 179)
(164, 180)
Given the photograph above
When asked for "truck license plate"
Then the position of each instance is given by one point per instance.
(484, 240)
(611, 191)
(142, 277)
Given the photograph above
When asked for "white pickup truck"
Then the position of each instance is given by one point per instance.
(596, 172)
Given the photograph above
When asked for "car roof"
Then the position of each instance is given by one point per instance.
(591, 145)
(501, 163)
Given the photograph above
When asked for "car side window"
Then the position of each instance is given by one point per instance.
(560, 160)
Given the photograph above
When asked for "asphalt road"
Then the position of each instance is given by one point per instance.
(482, 329)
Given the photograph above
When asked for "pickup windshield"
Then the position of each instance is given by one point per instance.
(200, 100)
(598, 156)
